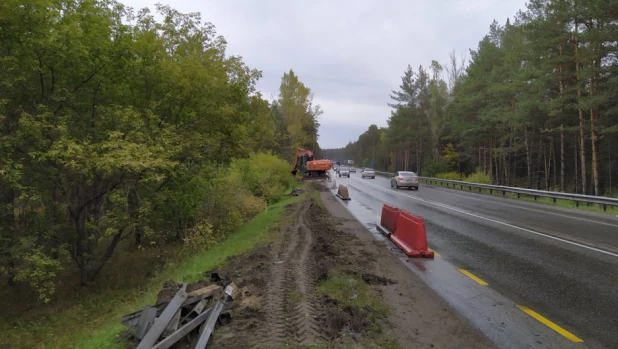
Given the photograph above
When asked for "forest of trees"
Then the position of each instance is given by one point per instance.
(117, 128)
(536, 106)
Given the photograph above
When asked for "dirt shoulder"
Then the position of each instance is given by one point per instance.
(322, 284)
(420, 318)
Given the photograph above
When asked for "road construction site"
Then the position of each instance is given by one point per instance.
(433, 268)
(527, 275)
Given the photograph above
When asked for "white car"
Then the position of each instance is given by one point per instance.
(344, 171)
(352, 169)
(369, 173)
(405, 179)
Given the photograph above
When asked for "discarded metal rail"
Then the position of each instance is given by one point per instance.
(577, 198)
(164, 324)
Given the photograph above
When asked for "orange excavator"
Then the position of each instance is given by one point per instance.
(310, 168)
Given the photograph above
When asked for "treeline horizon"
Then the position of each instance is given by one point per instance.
(535, 107)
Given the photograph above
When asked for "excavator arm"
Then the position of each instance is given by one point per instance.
(297, 155)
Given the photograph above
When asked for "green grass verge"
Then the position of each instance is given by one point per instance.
(546, 201)
(92, 321)
(351, 292)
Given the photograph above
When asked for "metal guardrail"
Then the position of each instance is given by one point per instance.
(578, 198)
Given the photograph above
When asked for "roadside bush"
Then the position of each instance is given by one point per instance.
(454, 176)
(200, 236)
(432, 169)
(223, 202)
(264, 175)
(40, 273)
(478, 177)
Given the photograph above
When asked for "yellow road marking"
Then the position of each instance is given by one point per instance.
(553, 326)
(434, 252)
(472, 276)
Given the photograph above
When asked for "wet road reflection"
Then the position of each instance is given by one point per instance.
(461, 244)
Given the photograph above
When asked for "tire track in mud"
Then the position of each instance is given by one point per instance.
(290, 305)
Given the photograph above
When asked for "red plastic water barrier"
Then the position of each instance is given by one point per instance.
(389, 218)
(410, 235)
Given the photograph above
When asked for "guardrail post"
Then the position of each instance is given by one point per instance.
(604, 208)
(576, 203)
(491, 191)
(518, 195)
(535, 198)
(480, 190)
(503, 192)
(554, 200)
(470, 187)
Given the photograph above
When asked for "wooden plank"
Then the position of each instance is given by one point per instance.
(205, 291)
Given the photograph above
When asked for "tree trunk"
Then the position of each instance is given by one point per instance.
(420, 137)
(593, 141)
(407, 158)
(418, 157)
(79, 251)
(562, 158)
(609, 166)
(133, 207)
(528, 158)
(108, 253)
(595, 63)
(562, 155)
(503, 167)
(491, 162)
(538, 164)
(510, 159)
(9, 228)
(595, 164)
(582, 144)
(552, 156)
(485, 168)
(480, 162)
(496, 163)
(546, 165)
(575, 185)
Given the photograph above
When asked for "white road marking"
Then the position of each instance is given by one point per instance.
(535, 210)
(497, 221)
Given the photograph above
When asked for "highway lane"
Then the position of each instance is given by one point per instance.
(561, 263)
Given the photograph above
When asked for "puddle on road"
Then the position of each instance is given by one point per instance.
(364, 215)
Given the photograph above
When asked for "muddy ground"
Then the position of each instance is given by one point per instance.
(281, 306)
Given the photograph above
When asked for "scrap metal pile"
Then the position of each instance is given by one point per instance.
(168, 322)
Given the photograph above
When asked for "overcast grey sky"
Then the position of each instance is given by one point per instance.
(351, 53)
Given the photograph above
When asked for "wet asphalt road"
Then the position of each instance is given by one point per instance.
(561, 263)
